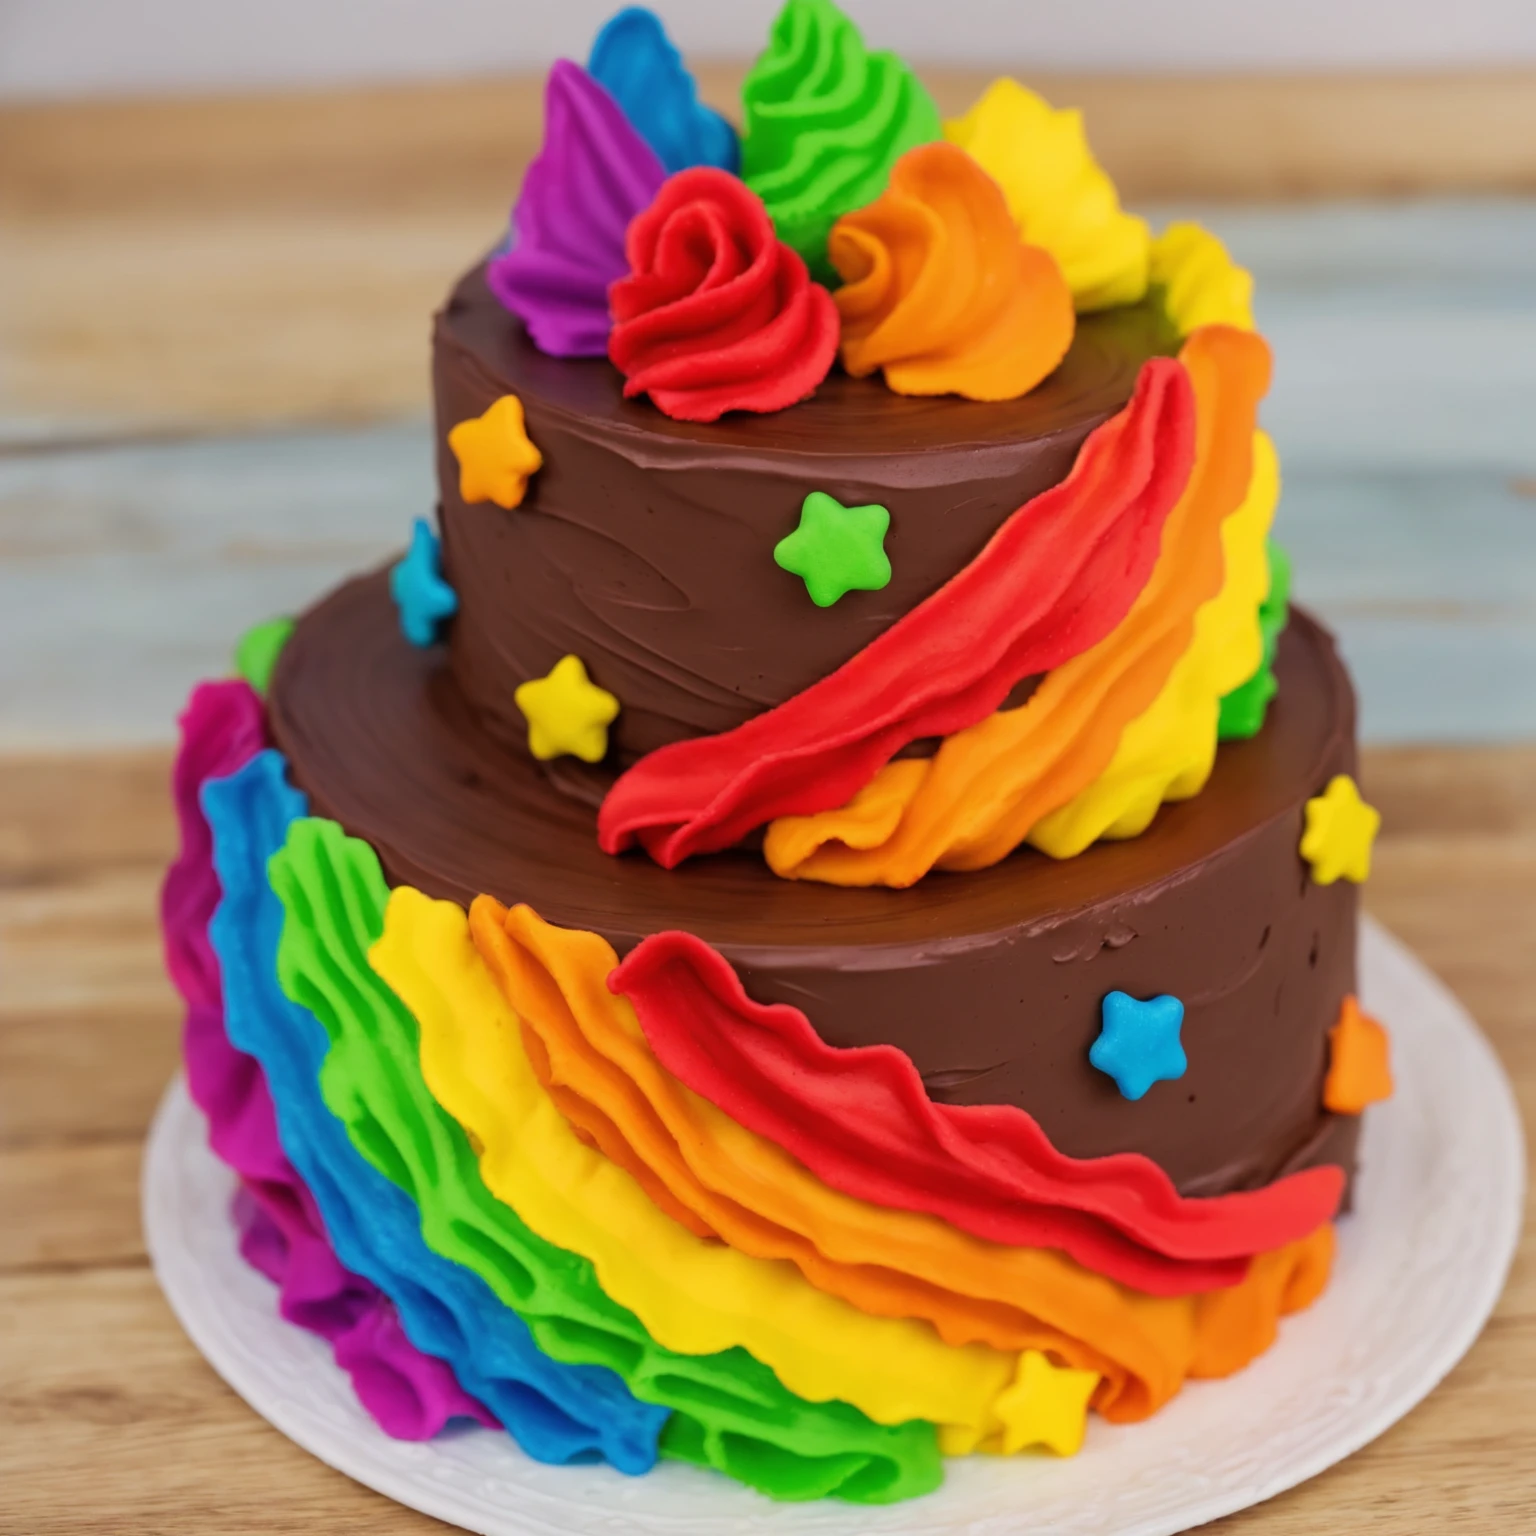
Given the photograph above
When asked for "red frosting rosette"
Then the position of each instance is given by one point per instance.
(717, 314)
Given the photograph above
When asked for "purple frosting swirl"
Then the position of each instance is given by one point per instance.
(593, 174)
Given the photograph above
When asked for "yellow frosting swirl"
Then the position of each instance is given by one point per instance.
(1200, 283)
(1059, 195)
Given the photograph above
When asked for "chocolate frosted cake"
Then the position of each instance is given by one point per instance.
(811, 927)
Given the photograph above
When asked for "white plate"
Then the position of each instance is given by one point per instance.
(1419, 1269)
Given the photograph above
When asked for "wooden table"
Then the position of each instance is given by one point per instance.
(109, 1419)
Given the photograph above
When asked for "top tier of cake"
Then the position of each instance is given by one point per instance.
(966, 549)
(645, 545)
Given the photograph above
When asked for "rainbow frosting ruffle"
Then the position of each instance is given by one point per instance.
(526, 1200)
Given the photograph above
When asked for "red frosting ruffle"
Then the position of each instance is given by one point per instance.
(1057, 577)
(860, 1119)
(717, 314)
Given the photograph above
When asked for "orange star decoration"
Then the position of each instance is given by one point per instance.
(496, 456)
(1340, 830)
(568, 715)
(1045, 1405)
(1359, 1065)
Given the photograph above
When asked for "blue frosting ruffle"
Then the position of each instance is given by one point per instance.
(634, 60)
(556, 1412)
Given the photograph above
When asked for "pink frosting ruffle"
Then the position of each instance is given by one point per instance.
(412, 1395)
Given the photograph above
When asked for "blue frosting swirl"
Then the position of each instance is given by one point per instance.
(637, 63)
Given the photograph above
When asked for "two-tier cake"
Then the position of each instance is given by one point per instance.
(811, 928)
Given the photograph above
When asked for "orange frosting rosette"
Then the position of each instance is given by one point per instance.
(939, 290)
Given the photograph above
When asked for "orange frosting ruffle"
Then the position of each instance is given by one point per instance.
(701, 1167)
(977, 798)
(939, 290)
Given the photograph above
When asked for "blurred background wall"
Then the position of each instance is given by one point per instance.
(69, 47)
(224, 225)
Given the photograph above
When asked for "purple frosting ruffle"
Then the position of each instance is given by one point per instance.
(361, 1326)
(410, 1394)
(593, 174)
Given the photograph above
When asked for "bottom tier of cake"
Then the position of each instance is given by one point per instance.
(813, 1187)
(990, 982)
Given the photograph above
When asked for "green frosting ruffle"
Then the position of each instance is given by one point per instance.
(1243, 710)
(729, 1411)
(257, 651)
(825, 120)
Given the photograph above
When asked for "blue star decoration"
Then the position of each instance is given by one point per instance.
(1138, 1042)
(421, 596)
(836, 549)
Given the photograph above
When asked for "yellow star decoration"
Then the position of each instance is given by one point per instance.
(567, 714)
(1046, 1405)
(495, 454)
(1340, 830)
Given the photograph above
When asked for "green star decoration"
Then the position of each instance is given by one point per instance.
(836, 549)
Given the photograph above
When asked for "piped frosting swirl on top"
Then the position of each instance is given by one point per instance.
(636, 61)
(1058, 194)
(825, 120)
(592, 176)
(940, 292)
(716, 314)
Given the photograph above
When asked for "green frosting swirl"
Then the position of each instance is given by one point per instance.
(1243, 710)
(825, 122)
(729, 1411)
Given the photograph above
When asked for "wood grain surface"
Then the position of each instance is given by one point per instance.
(212, 369)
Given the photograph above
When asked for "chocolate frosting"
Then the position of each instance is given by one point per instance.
(990, 981)
(645, 545)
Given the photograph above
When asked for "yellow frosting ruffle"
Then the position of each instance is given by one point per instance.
(692, 1294)
(1168, 752)
(1059, 195)
(1200, 283)
(990, 785)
